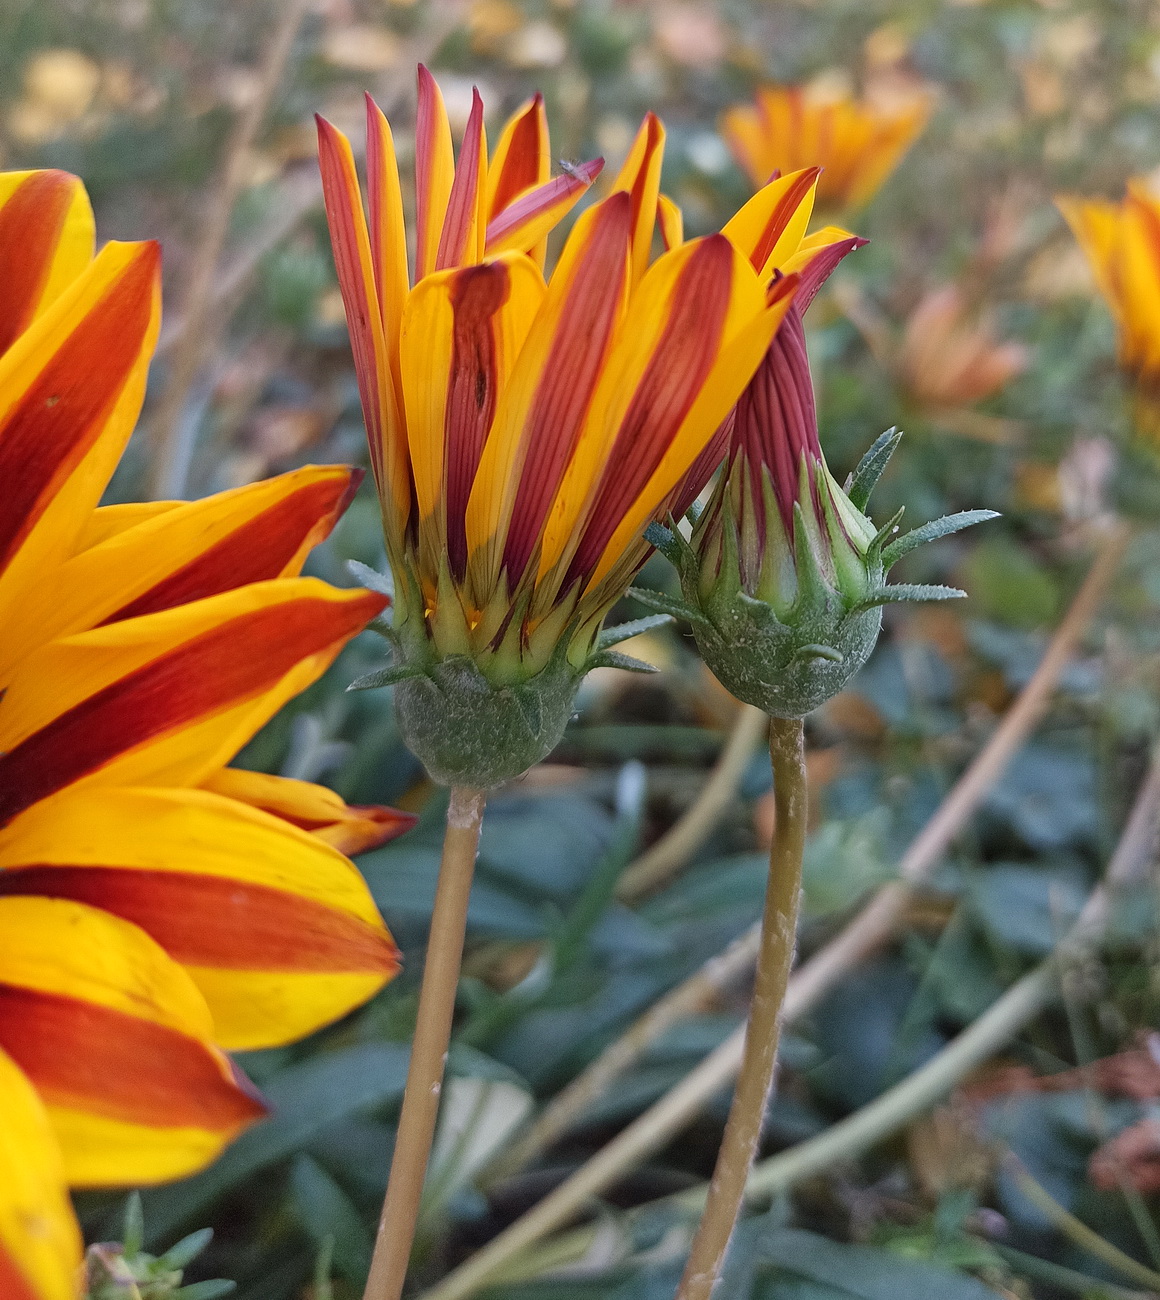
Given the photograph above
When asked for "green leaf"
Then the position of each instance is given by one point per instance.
(623, 631)
(207, 1290)
(325, 1211)
(789, 1255)
(871, 466)
(304, 1099)
(930, 532)
(666, 540)
(133, 1234)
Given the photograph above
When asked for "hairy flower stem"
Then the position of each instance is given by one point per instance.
(778, 932)
(429, 1049)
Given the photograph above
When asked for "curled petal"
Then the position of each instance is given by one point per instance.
(350, 828)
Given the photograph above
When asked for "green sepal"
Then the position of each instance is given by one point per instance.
(666, 540)
(385, 677)
(908, 591)
(666, 604)
(888, 529)
(694, 513)
(931, 532)
(133, 1233)
(383, 583)
(623, 631)
(870, 468)
(614, 659)
(814, 592)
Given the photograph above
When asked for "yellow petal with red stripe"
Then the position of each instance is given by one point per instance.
(108, 521)
(40, 1244)
(375, 368)
(434, 172)
(640, 178)
(769, 229)
(462, 332)
(350, 828)
(70, 390)
(522, 161)
(672, 222)
(277, 928)
(651, 401)
(250, 534)
(525, 223)
(46, 242)
(159, 698)
(732, 368)
(462, 239)
(545, 403)
(118, 1042)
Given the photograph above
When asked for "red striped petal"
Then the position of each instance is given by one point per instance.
(463, 212)
(665, 394)
(523, 160)
(208, 673)
(776, 420)
(472, 388)
(79, 1054)
(578, 353)
(218, 921)
(30, 225)
(558, 193)
(260, 549)
(814, 273)
(61, 415)
(780, 217)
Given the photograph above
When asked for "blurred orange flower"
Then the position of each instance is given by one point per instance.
(1122, 245)
(856, 142)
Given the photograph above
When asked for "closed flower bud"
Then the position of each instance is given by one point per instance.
(784, 574)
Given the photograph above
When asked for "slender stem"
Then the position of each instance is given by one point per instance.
(429, 1049)
(686, 835)
(755, 1080)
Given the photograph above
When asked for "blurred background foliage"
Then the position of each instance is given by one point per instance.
(970, 320)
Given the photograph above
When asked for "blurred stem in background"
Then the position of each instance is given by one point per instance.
(429, 1049)
(775, 957)
(171, 450)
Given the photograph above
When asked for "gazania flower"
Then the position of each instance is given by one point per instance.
(525, 433)
(1122, 244)
(155, 906)
(855, 142)
(784, 574)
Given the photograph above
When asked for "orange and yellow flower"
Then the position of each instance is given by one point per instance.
(856, 142)
(525, 432)
(1122, 245)
(156, 907)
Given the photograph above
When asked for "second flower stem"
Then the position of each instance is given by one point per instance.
(429, 1049)
(778, 934)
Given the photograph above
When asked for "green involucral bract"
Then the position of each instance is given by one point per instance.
(481, 721)
(784, 621)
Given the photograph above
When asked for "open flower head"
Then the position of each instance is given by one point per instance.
(525, 432)
(156, 906)
(856, 142)
(1122, 244)
(784, 573)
